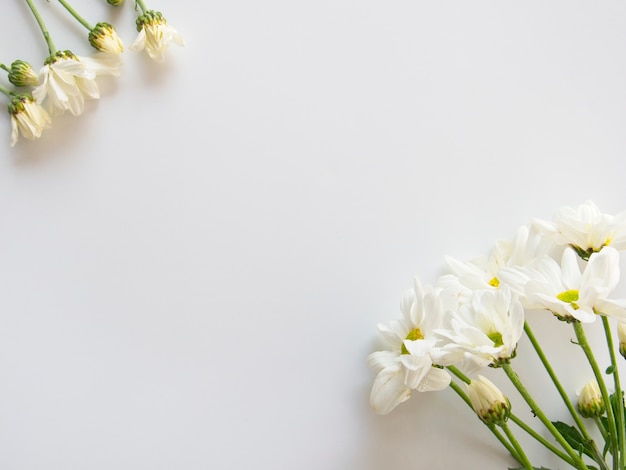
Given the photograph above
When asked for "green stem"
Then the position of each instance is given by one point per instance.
(557, 383)
(601, 428)
(520, 452)
(460, 375)
(75, 14)
(621, 431)
(42, 26)
(6, 91)
(454, 386)
(542, 417)
(539, 438)
(141, 5)
(581, 337)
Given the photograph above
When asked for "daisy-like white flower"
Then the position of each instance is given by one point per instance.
(483, 272)
(66, 80)
(489, 403)
(27, 117)
(406, 365)
(104, 38)
(569, 293)
(155, 35)
(586, 229)
(482, 332)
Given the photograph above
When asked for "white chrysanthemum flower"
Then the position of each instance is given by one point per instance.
(483, 332)
(155, 35)
(66, 80)
(586, 229)
(27, 118)
(489, 403)
(571, 294)
(483, 272)
(104, 38)
(406, 365)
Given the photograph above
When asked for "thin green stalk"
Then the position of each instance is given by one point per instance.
(542, 417)
(601, 428)
(42, 26)
(539, 438)
(460, 374)
(557, 383)
(581, 337)
(141, 5)
(621, 431)
(454, 386)
(75, 14)
(6, 91)
(520, 452)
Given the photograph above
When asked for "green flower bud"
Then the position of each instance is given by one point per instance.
(104, 38)
(489, 403)
(115, 3)
(590, 403)
(621, 334)
(22, 74)
(151, 18)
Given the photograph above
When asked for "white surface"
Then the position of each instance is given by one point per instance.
(193, 270)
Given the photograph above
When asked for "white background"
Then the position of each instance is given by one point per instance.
(192, 271)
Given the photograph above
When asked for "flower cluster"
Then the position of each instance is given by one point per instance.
(474, 316)
(66, 80)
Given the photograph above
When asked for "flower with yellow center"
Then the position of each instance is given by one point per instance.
(483, 332)
(586, 229)
(405, 364)
(572, 294)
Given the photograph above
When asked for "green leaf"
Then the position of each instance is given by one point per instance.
(574, 438)
(610, 369)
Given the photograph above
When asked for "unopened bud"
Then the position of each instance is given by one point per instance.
(489, 403)
(590, 403)
(22, 74)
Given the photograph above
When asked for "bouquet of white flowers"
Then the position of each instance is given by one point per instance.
(66, 80)
(474, 316)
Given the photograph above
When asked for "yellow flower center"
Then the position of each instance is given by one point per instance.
(495, 282)
(413, 335)
(496, 337)
(570, 297)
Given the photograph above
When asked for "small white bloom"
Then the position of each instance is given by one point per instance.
(406, 364)
(570, 294)
(27, 118)
(155, 35)
(484, 273)
(483, 332)
(66, 80)
(586, 229)
(489, 403)
(104, 38)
